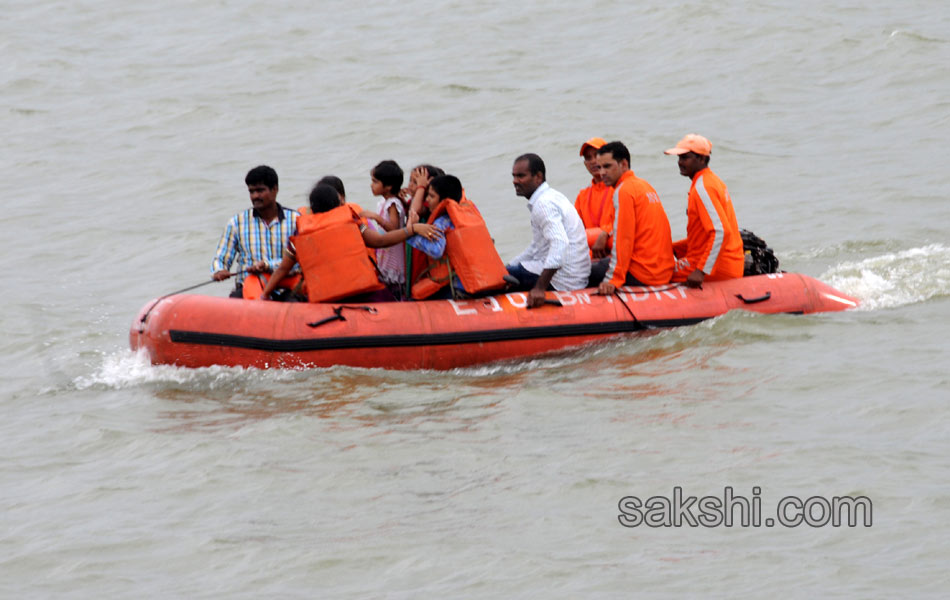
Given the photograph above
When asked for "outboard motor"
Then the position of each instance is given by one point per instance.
(759, 258)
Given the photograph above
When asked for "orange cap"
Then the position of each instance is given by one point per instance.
(692, 143)
(595, 142)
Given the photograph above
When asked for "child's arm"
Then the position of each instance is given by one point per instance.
(368, 214)
(393, 215)
(286, 264)
(374, 239)
(433, 247)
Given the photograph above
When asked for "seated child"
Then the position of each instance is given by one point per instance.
(464, 261)
(390, 215)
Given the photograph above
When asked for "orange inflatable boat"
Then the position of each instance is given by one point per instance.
(200, 331)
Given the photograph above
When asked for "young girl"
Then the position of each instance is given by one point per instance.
(390, 215)
(323, 199)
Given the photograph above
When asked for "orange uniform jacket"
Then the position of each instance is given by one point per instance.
(713, 243)
(596, 209)
(642, 243)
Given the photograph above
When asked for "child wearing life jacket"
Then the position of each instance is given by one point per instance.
(464, 261)
(330, 246)
(390, 215)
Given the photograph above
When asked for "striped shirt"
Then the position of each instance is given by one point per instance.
(249, 239)
(558, 240)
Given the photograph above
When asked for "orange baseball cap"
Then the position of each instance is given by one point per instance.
(595, 142)
(692, 143)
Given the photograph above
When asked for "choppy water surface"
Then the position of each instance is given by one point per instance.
(128, 130)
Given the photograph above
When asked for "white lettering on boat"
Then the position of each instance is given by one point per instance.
(522, 303)
(566, 298)
(495, 305)
(457, 305)
(643, 293)
(520, 299)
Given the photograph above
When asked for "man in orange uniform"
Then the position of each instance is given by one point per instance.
(643, 249)
(595, 206)
(594, 203)
(713, 246)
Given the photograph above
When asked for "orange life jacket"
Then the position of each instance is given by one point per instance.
(254, 284)
(357, 209)
(332, 255)
(469, 250)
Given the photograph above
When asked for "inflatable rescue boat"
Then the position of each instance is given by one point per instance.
(200, 331)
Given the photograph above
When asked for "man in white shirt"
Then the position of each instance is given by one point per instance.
(557, 257)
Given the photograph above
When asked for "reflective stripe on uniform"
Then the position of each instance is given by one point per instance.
(713, 255)
(613, 250)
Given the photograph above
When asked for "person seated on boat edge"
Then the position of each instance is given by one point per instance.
(463, 263)
(257, 236)
(557, 257)
(595, 206)
(712, 249)
(414, 195)
(642, 253)
(330, 247)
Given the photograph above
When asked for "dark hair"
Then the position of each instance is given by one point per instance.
(262, 175)
(432, 170)
(334, 182)
(617, 150)
(535, 164)
(388, 173)
(323, 198)
(447, 187)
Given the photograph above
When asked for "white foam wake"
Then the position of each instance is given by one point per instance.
(895, 278)
(125, 369)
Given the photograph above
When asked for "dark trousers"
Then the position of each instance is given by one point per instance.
(526, 279)
(597, 271)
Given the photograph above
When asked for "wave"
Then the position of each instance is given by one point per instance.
(895, 278)
(125, 368)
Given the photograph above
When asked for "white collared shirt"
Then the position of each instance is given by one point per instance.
(558, 240)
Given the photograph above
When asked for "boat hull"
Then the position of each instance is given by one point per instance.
(200, 331)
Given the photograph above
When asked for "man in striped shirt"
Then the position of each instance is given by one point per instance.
(557, 257)
(256, 237)
(713, 248)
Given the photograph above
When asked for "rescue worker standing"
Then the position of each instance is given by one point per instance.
(643, 248)
(713, 246)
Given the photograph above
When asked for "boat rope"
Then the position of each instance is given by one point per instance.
(187, 289)
(636, 322)
(338, 314)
